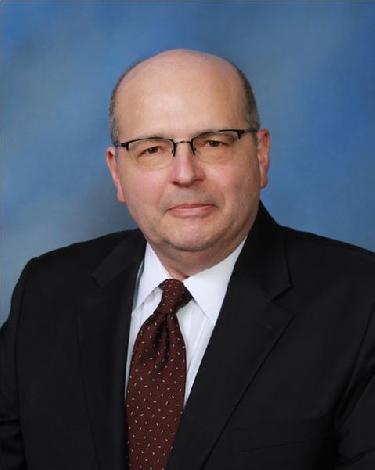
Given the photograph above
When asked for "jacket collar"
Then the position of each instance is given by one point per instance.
(125, 255)
(263, 259)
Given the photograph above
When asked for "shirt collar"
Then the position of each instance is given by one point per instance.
(152, 274)
(207, 287)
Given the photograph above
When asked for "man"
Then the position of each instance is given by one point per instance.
(212, 338)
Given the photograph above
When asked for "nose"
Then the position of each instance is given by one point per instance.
(186, 169)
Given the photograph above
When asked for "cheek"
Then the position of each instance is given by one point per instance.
(142, 192)
(239, 187)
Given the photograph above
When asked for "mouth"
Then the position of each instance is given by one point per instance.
(191, 210)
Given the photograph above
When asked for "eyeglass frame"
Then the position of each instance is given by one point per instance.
(239, 132)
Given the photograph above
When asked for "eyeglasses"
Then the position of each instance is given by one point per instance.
(210, 147)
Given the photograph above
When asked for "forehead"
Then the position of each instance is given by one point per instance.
(180, 92)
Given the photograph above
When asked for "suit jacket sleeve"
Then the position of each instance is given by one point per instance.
(12, 454)
(356, 439)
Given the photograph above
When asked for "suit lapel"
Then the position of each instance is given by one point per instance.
(103, 327)
(247, 330)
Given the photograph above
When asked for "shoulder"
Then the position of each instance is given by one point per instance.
(313, 244)
(82, 257)
(313, 256)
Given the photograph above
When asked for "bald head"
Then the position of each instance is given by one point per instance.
(191, 71)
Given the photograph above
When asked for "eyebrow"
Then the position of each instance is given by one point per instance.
(196, 134)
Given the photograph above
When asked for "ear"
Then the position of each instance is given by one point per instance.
(263, 154)
(113, 166)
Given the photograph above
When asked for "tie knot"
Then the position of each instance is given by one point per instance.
(174, 296)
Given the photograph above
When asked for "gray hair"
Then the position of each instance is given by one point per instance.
(252, 115)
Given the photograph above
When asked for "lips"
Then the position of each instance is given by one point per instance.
(191, 209)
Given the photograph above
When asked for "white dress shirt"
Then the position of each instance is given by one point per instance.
(197, 319)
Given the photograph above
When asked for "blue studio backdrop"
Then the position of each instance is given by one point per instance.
(312, 65)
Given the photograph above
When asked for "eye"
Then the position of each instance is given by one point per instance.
(214, 140)
(214, 143)
(151, 150)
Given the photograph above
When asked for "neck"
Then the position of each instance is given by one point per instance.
(182, 264)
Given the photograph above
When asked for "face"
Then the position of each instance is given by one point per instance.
(190, 207)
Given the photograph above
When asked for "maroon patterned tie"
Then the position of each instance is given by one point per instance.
(156, 385)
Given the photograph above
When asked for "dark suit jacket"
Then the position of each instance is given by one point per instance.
(287, 381)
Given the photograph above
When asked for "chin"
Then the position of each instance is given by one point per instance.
(193, 243)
